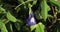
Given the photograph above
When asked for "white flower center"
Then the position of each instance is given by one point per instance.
(32, 19)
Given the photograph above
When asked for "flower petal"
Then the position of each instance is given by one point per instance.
(31, 20)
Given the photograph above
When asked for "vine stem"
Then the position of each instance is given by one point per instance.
(22, 3)
(55, 16)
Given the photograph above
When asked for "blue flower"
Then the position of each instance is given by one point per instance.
(31, 20)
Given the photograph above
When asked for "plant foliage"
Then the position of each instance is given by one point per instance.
(29, 15)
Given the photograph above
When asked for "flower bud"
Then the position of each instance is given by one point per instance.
(31, 20)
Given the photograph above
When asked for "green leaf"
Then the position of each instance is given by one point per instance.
(2, 10)
(11, 27)
(5, 21)
(34, 2)
(11, 17)
(33, 27)
(44, 10)
(57, 3)
(40, 27)
(57, 30)
(3, 27)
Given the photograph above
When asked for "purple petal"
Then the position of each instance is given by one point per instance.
(31, 20)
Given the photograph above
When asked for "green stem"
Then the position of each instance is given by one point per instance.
(22, 3)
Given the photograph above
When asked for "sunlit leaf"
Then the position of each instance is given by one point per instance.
(34, 2)
(11, 17)
(3, 27)
(2, 10)
(40, 27)
(33, 27)
(57, 3)
(44, 10)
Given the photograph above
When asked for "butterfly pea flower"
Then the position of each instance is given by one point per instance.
(31, 20)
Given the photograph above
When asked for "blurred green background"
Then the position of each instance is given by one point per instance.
(14, 15)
